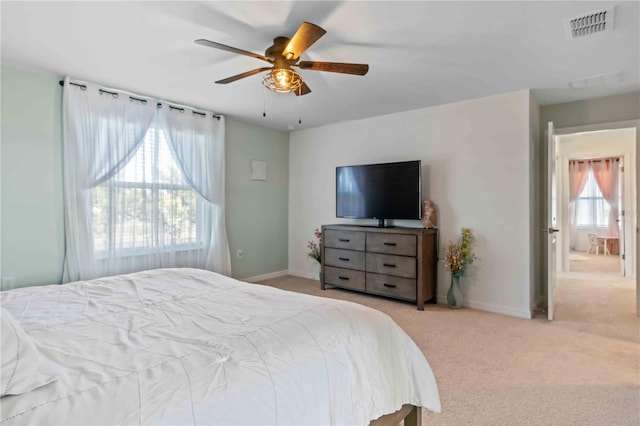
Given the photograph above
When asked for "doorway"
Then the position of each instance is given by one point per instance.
(598, 142)
(596, 207)
(597, 187)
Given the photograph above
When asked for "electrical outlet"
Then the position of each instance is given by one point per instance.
(8, 283)
(239, 254)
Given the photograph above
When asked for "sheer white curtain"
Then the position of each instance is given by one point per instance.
(606, 174)
(100, 135)
(133, 199)
(197, 144)
(578, 174)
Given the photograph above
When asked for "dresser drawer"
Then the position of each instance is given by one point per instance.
(399, 266)
(386, 285)
(344, 258)
(347, 278)
(350, 240)
(404, 245)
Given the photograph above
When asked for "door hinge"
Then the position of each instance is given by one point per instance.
(623, 257)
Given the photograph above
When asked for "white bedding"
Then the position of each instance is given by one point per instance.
(187, 346)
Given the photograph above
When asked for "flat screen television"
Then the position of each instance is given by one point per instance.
(379, 191)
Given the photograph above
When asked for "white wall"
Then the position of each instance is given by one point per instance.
(476, 168)
(598, 144)
(535, 188)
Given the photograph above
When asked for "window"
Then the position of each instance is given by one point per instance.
(591, 209)
(143, 185)
(147, 206)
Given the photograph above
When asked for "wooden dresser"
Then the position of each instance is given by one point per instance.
(395, 262)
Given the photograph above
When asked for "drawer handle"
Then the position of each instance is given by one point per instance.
(344, 240)
(389, 244)
(343, 278)
(346, 259)
(389, 265)
(389, 285)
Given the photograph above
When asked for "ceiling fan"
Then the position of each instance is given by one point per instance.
(284, 54)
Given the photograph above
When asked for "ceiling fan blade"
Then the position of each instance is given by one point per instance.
(306, 35)
(304, 89)
(221, 46)
(344, 68)
(243, 75)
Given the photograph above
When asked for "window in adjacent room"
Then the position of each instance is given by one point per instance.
(591, 208)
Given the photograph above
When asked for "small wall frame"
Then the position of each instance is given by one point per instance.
(258, 170)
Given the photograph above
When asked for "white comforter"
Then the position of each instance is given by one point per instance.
(186, 346)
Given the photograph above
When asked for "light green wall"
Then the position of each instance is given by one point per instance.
(31, 173)
(31, 227)
(257, 211)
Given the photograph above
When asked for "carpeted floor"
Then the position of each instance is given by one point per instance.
(582, 369)
(593, 263)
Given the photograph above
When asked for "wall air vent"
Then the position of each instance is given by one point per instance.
(590, 23)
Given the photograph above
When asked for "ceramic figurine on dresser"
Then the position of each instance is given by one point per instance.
(429, 215)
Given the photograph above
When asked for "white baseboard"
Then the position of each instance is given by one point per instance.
(265, 276)
(496, 309)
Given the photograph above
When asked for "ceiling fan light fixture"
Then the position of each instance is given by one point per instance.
(282, 80)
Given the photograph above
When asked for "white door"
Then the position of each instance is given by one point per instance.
(620, 220)
(551, 230)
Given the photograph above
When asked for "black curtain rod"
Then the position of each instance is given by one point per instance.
(81, 86)
(143, 101)
(597, 160)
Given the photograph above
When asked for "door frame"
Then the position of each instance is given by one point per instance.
(633, 164)
(552, 216)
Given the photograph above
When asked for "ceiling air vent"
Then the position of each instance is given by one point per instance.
(590, 23)
(597, 80)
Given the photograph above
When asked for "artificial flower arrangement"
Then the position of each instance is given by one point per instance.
(458, 256)
(315, 251)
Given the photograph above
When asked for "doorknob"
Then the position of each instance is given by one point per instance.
(553, 230)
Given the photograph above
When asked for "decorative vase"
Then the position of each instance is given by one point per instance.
(454, 295)
(320, 276)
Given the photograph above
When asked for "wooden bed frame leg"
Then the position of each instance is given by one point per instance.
(414, 418)
(411, 415)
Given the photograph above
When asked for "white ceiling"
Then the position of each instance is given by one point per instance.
(420, 53)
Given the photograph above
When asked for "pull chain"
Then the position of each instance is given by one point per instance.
(300, 105)
(264, 104)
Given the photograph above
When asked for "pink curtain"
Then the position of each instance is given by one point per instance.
(606, 174)
(578, 173)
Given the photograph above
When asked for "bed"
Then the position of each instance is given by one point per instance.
(188, 346)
